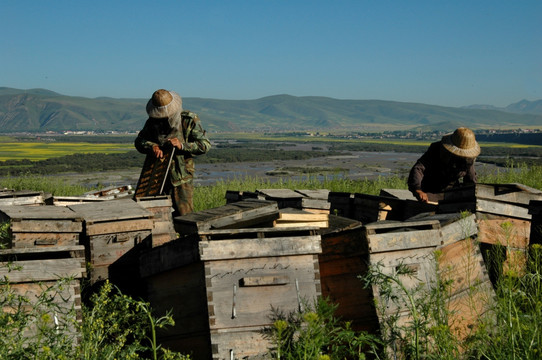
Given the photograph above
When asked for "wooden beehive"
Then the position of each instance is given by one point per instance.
(344, 257)
(341, 204)
(245, 213)
(161, 209)
(395, 244)
(21, 197)
(45, 275)
(315, 201)
(223, 284)
(460, 262)
(285, 198)
(41, 226)
(110, 229)
(509, 200)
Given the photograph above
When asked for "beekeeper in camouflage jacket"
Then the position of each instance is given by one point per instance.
(169, 125)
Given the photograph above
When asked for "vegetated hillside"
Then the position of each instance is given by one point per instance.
(42, 110)
(521, 107)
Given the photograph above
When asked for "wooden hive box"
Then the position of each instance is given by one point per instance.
(53, 273)
(315, 201)
(402, 243)
(161, 209)
(371, 208)
(344, 257)
(222, 285)
(235, 196)
(21, 197)
(341, 204)
(460, 261)
(245, 213)
(110, 229)
(41, 226)
(285, 198)
(535, 209)
(509, 200)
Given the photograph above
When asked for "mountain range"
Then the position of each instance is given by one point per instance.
(39, 110)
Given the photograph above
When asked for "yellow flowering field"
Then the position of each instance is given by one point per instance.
(45, 150)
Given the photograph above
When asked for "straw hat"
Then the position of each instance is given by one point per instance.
(163, 104)
(461, 143)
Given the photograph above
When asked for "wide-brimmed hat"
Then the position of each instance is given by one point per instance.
(461, 142)
(163, 104)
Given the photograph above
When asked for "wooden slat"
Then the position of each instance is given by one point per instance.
(504, 231)
(121, 226)
(122, 209)
(45, 269)
(249, 248)
(237, 215)
(21, 240)
(300, 215)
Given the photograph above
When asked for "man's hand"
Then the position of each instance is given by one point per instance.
(157, 151)
(175, 142)
(421, 196)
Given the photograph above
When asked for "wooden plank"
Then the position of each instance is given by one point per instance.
(121, 209)
(463, 264)
(121, 226)
(500, 208)
(512, 193)
(322, 194)
(18, 213)
(41, 226)
(154, 173)
(149, 202)
(22, 240)
(44, 269)
(236, 215)
(282, 194)
(249, 248)
(240, 343)
(453, 226)
(288, 224)
(44, 250)
(504, 231)
(300, 215)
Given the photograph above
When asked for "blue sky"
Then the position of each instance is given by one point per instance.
(449, 53)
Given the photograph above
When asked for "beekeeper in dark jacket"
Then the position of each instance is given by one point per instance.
(446, 164)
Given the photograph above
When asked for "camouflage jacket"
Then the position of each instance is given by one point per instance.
(188, 130)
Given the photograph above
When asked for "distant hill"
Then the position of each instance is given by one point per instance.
(521, 107)
(37, 110)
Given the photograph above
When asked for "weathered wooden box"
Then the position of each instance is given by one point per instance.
(510, 200)
(370, 208)
(393, 245)
(315, 201)
(21, 197)
(41, 226)
(470, 294)
(49, 278)
(344, 257)
(245, 213)
(161, 209)
(110, 229)
(223, 284)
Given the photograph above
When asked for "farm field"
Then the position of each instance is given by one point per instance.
(45, 150)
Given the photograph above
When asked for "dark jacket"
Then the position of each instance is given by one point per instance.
(188, 130)
(438, 170)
